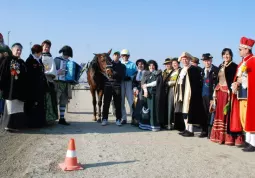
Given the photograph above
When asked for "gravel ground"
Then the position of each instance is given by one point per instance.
(113, 151)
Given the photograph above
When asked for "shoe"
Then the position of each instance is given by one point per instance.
(181, 133)
(188, 134)
(63, 122)
(10, 130)
(203, 135)
(244, 145)
(249, 149)
(118, 123)
(104, 122)
(124, 122)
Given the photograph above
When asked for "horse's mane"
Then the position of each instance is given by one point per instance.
(94, 64)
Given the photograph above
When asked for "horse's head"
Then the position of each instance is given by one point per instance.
(103, 59)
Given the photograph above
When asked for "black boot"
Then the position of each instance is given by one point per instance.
(203, 134)
(183, 132)
(63, 122)
(188, 134)
(244, 145)
(249, 149)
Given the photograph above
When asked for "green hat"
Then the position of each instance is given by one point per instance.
(116, 52)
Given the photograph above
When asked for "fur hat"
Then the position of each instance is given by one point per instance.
(67, 51)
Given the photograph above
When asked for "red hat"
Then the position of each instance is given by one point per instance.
(1, 36)
(246, 42)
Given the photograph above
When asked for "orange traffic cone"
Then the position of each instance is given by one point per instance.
(70, 163)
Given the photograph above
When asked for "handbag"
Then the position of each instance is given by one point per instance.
(145, 113)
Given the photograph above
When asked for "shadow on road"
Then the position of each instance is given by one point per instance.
(84, 128)
(86, 166)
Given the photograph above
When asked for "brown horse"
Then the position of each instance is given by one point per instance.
(95, 77)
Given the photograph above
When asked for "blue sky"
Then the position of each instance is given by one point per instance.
(150, 29)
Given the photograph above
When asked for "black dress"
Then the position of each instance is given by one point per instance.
(13, 85)
(137, 104)
(35, 106)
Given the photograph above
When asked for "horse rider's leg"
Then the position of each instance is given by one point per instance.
(94, 102)
(100, 97)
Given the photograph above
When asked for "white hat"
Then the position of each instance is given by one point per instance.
(185, 54)
(125, 52)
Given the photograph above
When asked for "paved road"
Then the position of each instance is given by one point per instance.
(113, 151)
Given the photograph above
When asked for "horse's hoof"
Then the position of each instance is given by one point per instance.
(94, 119)
(99, 120)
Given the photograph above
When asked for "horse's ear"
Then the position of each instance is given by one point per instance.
(95, 54)
(109, 52)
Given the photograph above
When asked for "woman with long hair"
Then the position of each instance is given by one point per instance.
(222, 94)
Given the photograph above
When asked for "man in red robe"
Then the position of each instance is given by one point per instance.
(243, 99)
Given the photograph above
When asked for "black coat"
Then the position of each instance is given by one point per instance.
(35, 106)
(213, 79)
(159, 92)
(160, 98)
(13, 88)
(230, 72)
(196, 113)
(37, 79)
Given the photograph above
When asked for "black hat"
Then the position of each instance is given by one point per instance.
(141, 60)
(175, 59)
(67, 51)
(154, 63)
(167, 61)
(206, 56)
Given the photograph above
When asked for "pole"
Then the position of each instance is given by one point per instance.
(8, 40)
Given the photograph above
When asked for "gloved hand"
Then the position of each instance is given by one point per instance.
(127, 78)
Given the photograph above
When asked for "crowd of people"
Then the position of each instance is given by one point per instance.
(32, 90)
(216, 99)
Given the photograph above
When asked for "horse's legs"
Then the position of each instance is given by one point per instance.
(100, 98)
(94, 102)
